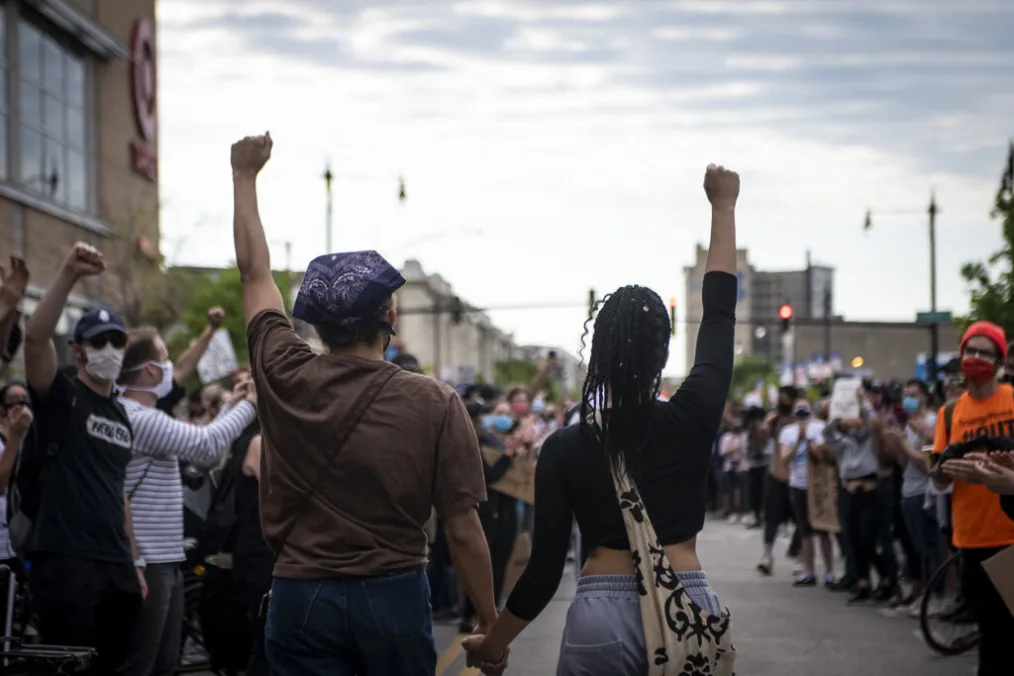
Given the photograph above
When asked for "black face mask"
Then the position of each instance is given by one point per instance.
(1007, 378)
(784, 409)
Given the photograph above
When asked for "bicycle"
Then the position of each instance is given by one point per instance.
(950, 609)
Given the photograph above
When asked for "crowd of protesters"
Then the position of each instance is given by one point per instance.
(296, 481)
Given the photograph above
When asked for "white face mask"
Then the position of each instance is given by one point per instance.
(165, 386)
(103, 364)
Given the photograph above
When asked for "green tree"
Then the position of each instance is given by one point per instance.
(223, 290)
(991, 283)
(521, 373)
(746, 372)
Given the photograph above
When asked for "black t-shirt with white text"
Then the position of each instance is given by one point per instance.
(82, 508)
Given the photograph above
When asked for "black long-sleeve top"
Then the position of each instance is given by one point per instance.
(573, 477)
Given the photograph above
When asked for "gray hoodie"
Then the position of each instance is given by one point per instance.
(855, 450)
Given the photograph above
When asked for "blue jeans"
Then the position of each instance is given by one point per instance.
(377, 626)
(923, 530)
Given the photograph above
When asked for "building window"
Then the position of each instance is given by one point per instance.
(52, 120)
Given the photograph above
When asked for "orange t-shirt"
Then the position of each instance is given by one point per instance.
(979, 521)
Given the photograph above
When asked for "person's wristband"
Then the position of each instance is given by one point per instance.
(140, 564)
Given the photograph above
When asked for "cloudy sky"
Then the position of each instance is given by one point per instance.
(552, 146)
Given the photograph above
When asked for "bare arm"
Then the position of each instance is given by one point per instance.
(10, 456)
(252, 461)
(40, 353)
(128, 524)
(252, 255)
(722, 188)
(470, 558)
(186, 364)
(15, 281)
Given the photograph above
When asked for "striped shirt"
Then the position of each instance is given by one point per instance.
(153, 476)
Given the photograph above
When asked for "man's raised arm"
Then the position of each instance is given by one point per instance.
(252, 256)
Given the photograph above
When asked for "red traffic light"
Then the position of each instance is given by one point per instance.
(672, 302)
(785, 312)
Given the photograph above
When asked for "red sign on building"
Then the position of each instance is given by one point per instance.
(144, 161)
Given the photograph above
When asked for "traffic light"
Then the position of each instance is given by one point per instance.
(785, 314)
(457, 310)
(591, 302)
(672, 316)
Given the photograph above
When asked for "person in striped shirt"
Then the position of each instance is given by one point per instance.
(156, 493)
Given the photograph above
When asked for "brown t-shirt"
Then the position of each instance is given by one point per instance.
(413, 448)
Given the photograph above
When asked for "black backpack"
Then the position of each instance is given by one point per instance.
(32, 471)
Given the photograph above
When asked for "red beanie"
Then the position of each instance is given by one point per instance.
(987, 330)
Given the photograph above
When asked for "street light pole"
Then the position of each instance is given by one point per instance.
(328, 179)
(931, 369)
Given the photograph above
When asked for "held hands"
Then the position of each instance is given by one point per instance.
(251, 154)
(14, 281)
(84, 260)
(478, 657)
(721, 185)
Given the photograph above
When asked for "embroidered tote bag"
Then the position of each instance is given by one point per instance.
(681, 638)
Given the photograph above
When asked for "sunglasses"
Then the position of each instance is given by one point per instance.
(114, 338)
(7, 406)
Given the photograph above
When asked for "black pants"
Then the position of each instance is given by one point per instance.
(756, 490)
(501, 533)
(996, 625)
(843, 535)
(86, 603)
(777, 509)
(862, 508)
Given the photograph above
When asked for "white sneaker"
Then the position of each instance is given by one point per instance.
(733, 519)
(749, 521)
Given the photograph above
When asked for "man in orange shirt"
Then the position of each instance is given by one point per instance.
(981, 528)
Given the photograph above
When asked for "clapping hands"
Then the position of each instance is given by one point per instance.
(995, 471)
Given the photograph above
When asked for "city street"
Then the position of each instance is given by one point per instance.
(779, 630)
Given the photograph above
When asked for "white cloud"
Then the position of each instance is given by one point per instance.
(575, 136)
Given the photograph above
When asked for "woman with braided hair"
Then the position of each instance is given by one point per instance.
(634, 475)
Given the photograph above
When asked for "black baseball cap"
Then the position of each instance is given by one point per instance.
(94, 322)
(407, 362)
(477, 407)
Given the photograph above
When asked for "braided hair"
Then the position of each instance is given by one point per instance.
(630, 347)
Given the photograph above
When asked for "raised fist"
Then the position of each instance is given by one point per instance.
(215, 316)
(721, 185)
(251, 154)
(84, 260)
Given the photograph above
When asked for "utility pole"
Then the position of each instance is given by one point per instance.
(827, 325)
(931, 370)
(328, 180)
(288, 255)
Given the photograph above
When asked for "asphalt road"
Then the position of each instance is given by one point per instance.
(779, 630)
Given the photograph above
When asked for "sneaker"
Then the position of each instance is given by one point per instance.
(860, 595)
(805, 580)
(829, 581)
(885, 594)
(733, 519)
(749, 520)
(843, 585)
(766, 565)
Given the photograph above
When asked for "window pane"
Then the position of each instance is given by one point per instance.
(52, 67)
(31, 105)
(75, 129)
(3, 86)
(76, 193)
(53, 112)
(31, 158)
(29, 52)
(55, 171)
(75, 81)
(3, 145)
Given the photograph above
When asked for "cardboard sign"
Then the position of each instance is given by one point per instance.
(822, 495)
(518, 482)
(1000, 568)
(844, 402)
(220, 359)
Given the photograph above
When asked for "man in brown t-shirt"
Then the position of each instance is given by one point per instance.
(355, 452)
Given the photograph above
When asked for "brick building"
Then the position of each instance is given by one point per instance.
(78, 142)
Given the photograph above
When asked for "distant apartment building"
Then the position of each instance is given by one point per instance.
(446, 335)
(886, 349)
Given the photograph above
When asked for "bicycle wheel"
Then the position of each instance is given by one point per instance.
(947, 626)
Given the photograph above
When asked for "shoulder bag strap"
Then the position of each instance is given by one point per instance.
(344, 429)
